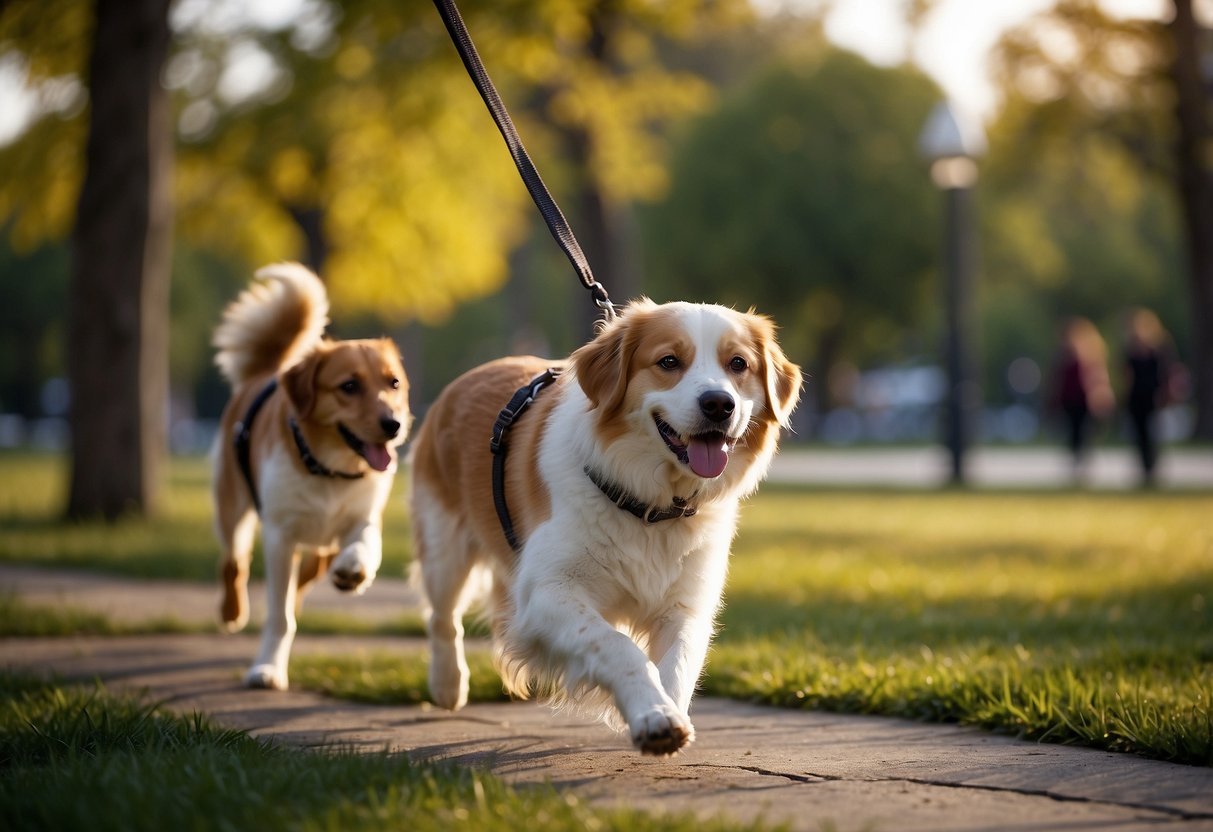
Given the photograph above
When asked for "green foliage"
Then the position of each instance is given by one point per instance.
(32, 326)
(803, 195)
(1078, 214)
(368, 143)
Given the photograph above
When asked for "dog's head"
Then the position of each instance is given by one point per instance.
(357, 391)
(700, 384)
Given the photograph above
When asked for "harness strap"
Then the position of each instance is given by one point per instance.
(242, 441)
(242, 435)
(518, 404)
(649, 514)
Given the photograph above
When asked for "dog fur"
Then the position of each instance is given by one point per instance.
(599, 608)
(350, 402)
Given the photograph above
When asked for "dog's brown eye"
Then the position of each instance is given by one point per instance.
(738, 364)
(350, 387)
(394, 383)
(669, 362)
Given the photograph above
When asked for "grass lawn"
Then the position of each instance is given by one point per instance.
(179, 544)
(72, 758)
(1065, 616)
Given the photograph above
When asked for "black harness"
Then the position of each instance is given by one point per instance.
(521, 400)
(243, 434)
(241, 441)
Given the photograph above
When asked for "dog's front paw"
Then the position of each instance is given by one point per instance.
(351, 573)
(266, 677)
(663, 730)
(449, 685)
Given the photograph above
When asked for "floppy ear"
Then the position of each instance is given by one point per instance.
(783, 382)
(601, 368)
(299, 383)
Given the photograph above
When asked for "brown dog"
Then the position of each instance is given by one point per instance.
(307, 446)
(623, 482)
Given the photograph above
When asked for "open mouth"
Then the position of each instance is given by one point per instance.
(376, 455)
(706, 454)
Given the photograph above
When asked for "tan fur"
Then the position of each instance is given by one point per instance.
(587, 572)
(275, 328)
(271, 324)
(452, 449)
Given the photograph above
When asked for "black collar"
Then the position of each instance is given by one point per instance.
(315, 466)
(649, 514)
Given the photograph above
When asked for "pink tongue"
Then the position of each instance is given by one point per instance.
(708, 458)
(378, 456)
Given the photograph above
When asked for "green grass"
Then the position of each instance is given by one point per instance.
(1070, 617)
(72, 758)
(21, 619)
(1066, 616)
(381, 677)
(178, 544)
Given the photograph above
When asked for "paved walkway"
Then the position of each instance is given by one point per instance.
(811, 770)
(1020, 467)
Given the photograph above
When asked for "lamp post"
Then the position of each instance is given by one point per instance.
(952, 147)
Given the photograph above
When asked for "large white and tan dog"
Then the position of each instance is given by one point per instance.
(308, 446)
(672, 411)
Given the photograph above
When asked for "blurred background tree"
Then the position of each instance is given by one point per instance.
(802, 193)
(701, 149)
(1121, 108)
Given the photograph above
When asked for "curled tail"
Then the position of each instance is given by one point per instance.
(272, 324)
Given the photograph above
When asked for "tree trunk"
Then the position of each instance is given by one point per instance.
(599, 219)
(121, 252)
(1195, 143)
(828, 349)
(597, 238)
(316, 244)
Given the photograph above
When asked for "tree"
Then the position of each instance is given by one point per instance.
(1194, 175)
(121, 243)
(803, 196)
(1139, 83)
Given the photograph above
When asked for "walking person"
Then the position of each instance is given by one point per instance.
(1082, 391)
(1148, 365)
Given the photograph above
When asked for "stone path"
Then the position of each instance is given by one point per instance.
(810, 770)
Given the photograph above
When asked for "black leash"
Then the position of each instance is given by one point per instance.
(547, 206)
(521, 400)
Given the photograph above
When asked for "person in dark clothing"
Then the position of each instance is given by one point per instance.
(1147, 363)
(1082, 391)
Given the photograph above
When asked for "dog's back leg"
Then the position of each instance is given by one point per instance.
(236, 533)
(446, 556)
(313, 563)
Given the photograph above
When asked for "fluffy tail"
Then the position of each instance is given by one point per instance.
(271, 324)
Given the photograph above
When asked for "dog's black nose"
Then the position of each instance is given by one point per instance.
(390, 426)
(717, 405)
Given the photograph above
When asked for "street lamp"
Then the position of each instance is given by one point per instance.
(952, 147)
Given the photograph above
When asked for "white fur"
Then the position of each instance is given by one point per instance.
(309, 514)
(604, 609)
